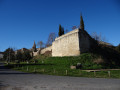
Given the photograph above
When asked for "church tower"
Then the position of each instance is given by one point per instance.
(81, 23)
(34, 47)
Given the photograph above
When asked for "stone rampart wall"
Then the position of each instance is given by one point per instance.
(66, 45)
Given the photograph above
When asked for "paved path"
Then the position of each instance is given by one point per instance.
(14, 80)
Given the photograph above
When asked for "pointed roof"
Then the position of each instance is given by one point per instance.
(34, 47)
(81, 22)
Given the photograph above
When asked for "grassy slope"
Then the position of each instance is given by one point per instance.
(86, 59)
(59, 65)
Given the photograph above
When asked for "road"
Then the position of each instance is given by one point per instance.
(14, 80)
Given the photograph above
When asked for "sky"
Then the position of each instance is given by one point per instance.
(23, 21)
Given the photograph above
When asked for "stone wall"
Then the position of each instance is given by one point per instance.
(42, 51)
(71, 44)
(46, 49)
(66, 45)
(35, 53)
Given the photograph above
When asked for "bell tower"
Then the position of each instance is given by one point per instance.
(34, 47)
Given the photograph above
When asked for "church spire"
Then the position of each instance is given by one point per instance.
(34, 47)
(81, 22)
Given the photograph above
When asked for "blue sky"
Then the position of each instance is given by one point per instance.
(23, 21)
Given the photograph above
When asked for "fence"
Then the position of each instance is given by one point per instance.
(67, 72)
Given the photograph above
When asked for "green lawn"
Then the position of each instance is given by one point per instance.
(61, 66)
(55, 70)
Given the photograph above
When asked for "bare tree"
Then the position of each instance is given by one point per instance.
(95, 36)
(40, 44)
(51, 38)
(74, 27)
(98, 37)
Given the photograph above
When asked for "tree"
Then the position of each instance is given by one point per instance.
(19, 56)
(40, 44)
(51, 38)
(23, 56)
(26, 56)
(98, 37)
(61, 30)
(34, 47)
(9, 55)
(81, 23)
(74, 27)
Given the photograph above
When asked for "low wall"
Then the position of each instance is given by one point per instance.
(46, 49)
(35, 53)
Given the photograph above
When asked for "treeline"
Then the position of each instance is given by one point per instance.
(10, 55)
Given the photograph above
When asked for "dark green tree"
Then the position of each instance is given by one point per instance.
(60, 30)
(34, 47)
(9, 55)
(26, 56)
(81, 23)
(23, 56)
(19, 56)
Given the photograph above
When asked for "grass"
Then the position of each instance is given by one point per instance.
(51, 70)
(61, 66)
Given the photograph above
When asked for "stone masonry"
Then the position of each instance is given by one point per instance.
(71, 44)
